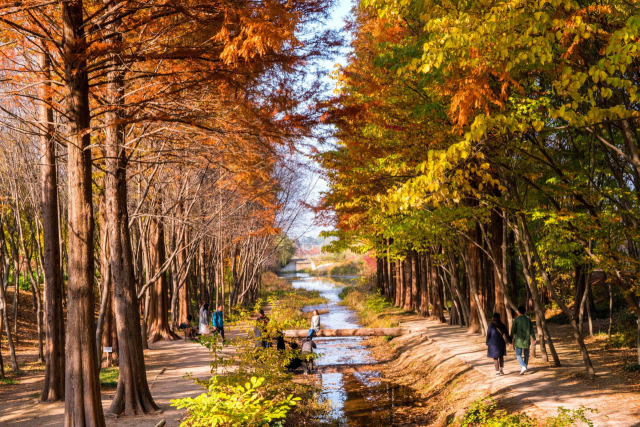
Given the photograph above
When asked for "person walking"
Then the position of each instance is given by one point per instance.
(261, 323)
(307, 353)
(218, 321)
(200, 312)
(204, 320)
(315, 322)
(522, 331)
(497, 337)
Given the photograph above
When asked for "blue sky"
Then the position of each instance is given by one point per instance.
(338, 15)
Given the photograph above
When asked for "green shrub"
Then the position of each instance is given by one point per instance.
(484, 414)
(228, 400)
(347, 269)
(346, 291)
(625, 334)
(109, 377)
(234, 406)
(377, 303)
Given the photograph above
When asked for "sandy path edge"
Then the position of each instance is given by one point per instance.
(539, 392)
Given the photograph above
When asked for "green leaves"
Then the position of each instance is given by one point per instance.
(239, 406)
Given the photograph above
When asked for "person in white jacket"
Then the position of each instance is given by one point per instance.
(315, 322)
(204, 319)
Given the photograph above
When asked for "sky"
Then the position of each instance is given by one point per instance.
(338, 15)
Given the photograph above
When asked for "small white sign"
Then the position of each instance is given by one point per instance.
(108, 349)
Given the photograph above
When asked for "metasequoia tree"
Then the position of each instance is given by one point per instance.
(123, 71)
(53, 387)
(490, 149)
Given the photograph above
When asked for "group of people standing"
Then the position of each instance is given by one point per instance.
(306, 352)
(217, 319)
(521, 334)
(261, 331)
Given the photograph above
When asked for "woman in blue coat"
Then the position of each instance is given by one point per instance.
(497, 333)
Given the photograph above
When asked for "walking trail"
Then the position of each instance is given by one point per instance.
(539, 392)
(544, 388)
(167, 364)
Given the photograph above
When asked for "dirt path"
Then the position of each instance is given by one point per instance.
(542, 390)
(167, 362)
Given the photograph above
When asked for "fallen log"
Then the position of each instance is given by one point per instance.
(362, 332)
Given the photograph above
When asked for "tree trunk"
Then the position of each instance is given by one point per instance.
(611, 313)
(398, 287)
(182, 289)
(109, 336)
(479, 323)
(132, 394)
(471, 261)
(543, 331)
(202, 275)
(438, 294)
(1, 361)
(496, 247)
(35, 287)
(3, 306)
(83, 406)
(392, 279)
(408, 280)
(424, 287)
(455, 284)
(415, 280)
(158, 323)
(574, 326)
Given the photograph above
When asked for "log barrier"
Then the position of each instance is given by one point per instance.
(361, 332)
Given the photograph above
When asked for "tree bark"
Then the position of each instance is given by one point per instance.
(132, 394)
(83, 406)
(158, 322)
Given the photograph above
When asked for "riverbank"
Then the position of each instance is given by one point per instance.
(448, 368)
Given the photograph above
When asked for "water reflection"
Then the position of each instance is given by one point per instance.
(358, 398)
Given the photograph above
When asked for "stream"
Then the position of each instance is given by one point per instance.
(360, 396)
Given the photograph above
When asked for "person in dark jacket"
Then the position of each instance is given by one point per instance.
(497, 335)
(307, 353)
(261, 323)
(296, 361)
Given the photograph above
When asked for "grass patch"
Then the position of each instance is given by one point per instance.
(372, 308)
(483, 413)
(9, 381)
(109, 377)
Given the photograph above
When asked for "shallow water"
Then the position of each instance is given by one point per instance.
(360, 398)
